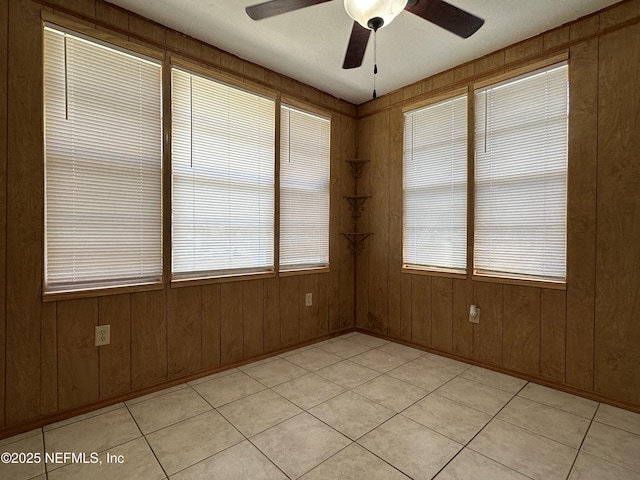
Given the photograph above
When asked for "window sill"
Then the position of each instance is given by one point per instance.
(100, 292)
(304, 271)
(551, 285)
(433, 273)
(193, 282)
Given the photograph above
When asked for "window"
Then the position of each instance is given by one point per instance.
(103, 154)
(435, 186)
(223, 164)
(304, 189)
(521, 176)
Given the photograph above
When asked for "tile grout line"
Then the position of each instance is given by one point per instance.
(573, 464)
(147, 442)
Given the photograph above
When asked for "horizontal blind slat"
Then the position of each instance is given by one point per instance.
(521, 176)
(103, 152)
(223, 149)
(435, 186)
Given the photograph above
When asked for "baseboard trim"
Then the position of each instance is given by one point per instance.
(591, 395)
(11, 430)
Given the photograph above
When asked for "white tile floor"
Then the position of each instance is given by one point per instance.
(355, 407)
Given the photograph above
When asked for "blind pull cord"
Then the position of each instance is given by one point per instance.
(66, 84)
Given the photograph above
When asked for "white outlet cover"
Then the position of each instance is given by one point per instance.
(103, 335)
(309, 299)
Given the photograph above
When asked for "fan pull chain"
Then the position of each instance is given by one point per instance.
(375, 61)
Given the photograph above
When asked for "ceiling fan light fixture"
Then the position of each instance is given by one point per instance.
(363, 11)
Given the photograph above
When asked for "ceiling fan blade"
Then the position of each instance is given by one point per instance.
(276, 7)
(357, 46)
(447, 16)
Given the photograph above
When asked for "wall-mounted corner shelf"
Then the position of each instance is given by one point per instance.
(356, 167)
(356, 204)
(356, 241)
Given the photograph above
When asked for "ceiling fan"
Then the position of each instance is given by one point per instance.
(371, 15)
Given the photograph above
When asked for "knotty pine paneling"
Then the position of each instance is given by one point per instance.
(4, 41)
(78, 367)
(581, 213)
(184, 330)
(617, 329)
(521, 328)
(115, 358)
(24, 218)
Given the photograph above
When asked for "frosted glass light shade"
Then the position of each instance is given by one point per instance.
(364, 10)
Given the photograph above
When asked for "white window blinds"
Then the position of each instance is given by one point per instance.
(103, 152)
(304, 189)
(223, 157)
(521, 176)
(435, 186)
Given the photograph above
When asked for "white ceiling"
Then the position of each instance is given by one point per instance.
(309, 44)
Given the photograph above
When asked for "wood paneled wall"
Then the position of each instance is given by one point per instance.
(48, 361)
(587, 336)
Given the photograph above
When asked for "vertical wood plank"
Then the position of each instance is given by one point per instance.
(363, 225)
(49, 360)
(4, 49)
(617, 302)
(405, 307)
(115, 358)
(210, 325)
(323, 303)
(289, 310)
(252, 317)
(271, 314)
(78, 368)
(335, 204)
(487, 335)
(581, 213)
(347, 290)
(396, 132)
(462, 328)
(379, 243)
(184, 330)
(421, 309)
(231, 330)
(553, 309)
(148, 338)
(442, 313)
(24, 211)
(308, 315)
(521, 328)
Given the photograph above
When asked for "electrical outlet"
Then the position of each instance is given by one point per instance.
(308, 300)
(103, 335)
(474, 314)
